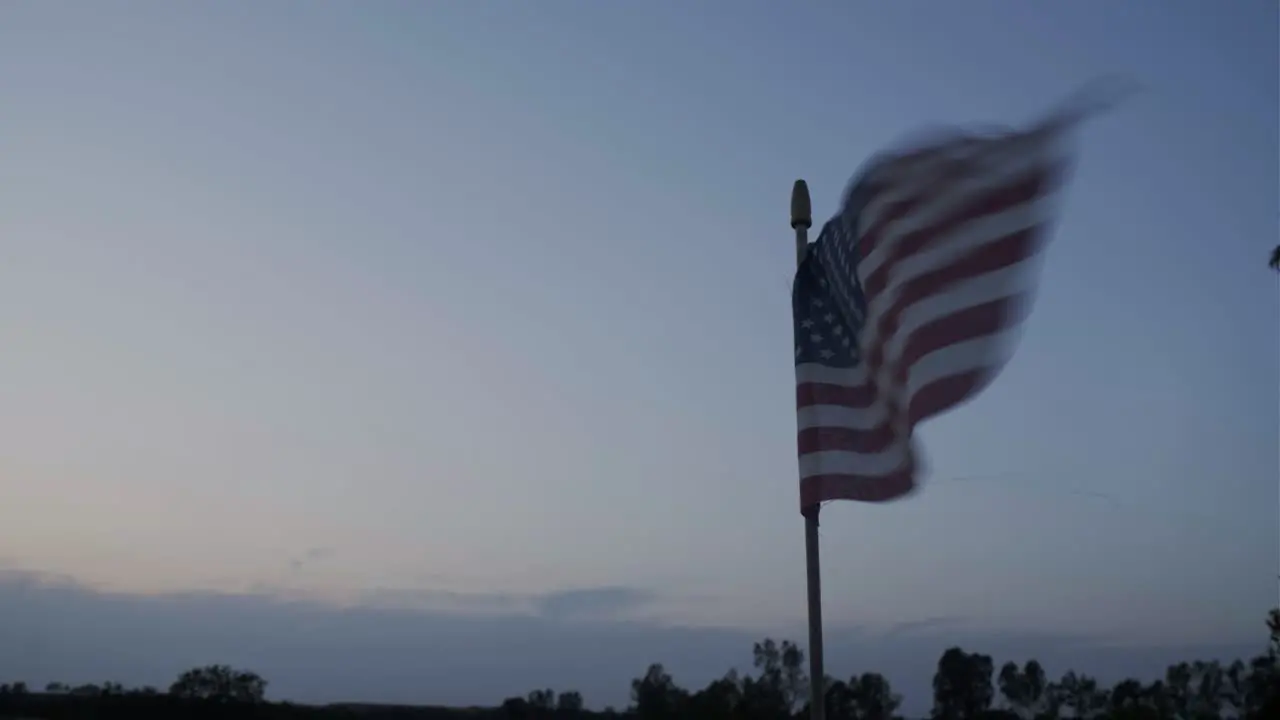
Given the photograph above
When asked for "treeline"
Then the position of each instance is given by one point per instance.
(966, 686)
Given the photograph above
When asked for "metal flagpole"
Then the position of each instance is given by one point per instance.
(801, 221)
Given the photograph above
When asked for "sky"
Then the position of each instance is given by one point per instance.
(454, 338)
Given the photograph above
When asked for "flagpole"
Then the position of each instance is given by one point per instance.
(801, 221)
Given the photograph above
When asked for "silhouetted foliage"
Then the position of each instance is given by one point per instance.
(962, 685)
(1023, 689)
(568, 703)
(964, 688)
(219, 683)
(864, 697)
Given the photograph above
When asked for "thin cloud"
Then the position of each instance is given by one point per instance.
(309, 557)
(593, 603)
(916, 626)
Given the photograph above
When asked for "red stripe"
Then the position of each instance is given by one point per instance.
(946, 393)
(820, 439)
(818, 489)
(808, 394)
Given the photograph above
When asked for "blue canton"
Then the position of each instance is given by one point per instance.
(827, 304)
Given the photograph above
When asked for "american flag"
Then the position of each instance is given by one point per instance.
(905, 305)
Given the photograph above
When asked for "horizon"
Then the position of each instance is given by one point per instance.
(320, 653)
(480, 312)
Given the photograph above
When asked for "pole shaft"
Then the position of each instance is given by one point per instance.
(801, 220)
(813, 572)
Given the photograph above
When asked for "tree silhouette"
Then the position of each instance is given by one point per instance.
(1023, 689)
(655, 695)
(783, 683)
(542, 699)
(569, 702)
(962, 685)
(962, 688)
(871, 697)
(1079, 694)
(721, 700)
(219, 683)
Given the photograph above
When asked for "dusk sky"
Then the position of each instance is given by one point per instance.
(436, 351)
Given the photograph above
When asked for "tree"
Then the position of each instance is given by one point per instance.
(1126, 695)
(1080, 695)
(219, 683)
(872, 698)
(783, 682)
(542, 699)
(1273, 625)
(569, 702)
(112, 688)
(962, 685)
(1023, 690)
(655, 695)
(718, 701)
(516, 708)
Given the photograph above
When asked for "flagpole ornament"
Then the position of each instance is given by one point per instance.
(801, 210)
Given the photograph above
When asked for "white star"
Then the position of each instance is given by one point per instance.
(837, 330)
(829, 318)
(797, 351)
(826, 354)
(815, 338)
(806, 323)
(844, 342)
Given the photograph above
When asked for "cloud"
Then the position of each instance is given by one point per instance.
(310, 556)
(916, 626)
(592, 603)
(579, 604)
(396, 652)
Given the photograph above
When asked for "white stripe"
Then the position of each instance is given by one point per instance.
(835, 416)
(817, 373)
(834, 462)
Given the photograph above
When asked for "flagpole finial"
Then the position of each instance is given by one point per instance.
(801, 211)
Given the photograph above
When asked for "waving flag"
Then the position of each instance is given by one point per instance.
(905, 304)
